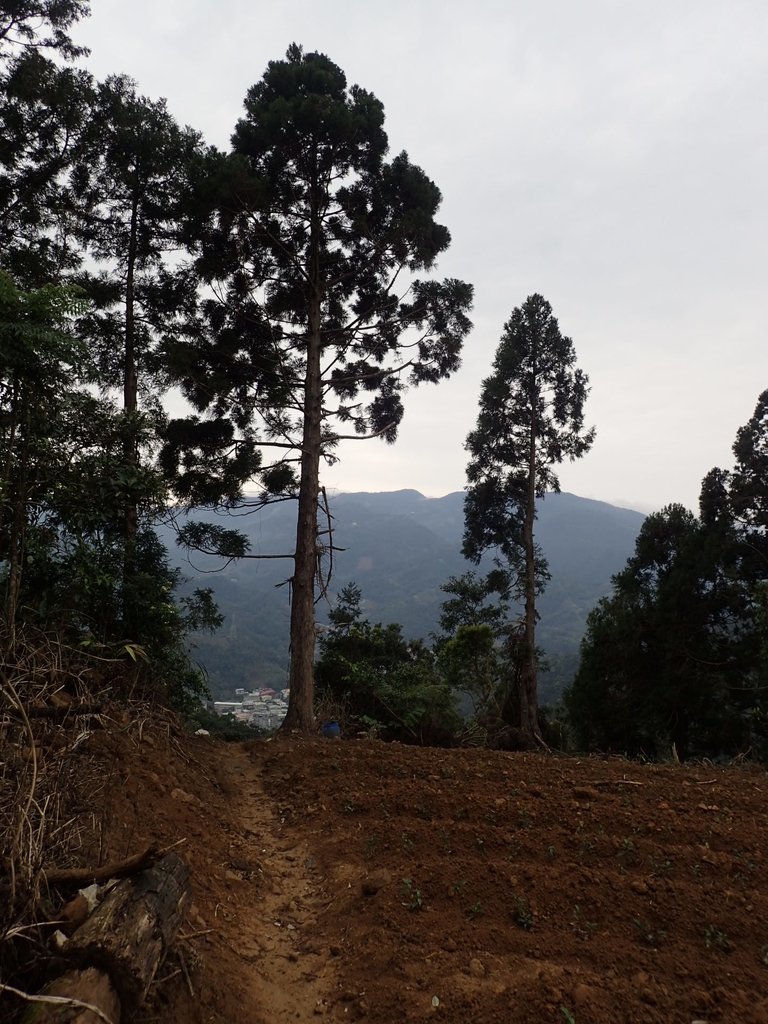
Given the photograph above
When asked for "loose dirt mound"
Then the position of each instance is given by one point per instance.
(357, 880)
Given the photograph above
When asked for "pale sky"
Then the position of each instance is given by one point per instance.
(609, 154)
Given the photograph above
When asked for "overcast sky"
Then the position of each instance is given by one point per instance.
(610, 154)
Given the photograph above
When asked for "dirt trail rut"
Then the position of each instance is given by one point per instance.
(277, 893)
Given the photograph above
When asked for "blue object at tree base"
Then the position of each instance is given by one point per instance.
(331, 730)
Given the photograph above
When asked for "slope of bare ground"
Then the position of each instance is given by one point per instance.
(352, 880)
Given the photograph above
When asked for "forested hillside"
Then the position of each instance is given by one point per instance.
(400, 547)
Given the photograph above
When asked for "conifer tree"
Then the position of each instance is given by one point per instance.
(133, 183)
(531, 419)
(315, 246)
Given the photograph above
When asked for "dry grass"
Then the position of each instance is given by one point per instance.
(47, 778)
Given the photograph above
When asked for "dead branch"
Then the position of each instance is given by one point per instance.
(119, 869)
(187, 978)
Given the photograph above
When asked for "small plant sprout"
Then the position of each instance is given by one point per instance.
(650, 936)
(522, 914)
(372, 844)
(445, 841)
(716, 938)
(414, 897)
(475, 910)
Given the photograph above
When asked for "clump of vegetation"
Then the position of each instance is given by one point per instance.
(221, 727)
(384, 683)
(673, 663)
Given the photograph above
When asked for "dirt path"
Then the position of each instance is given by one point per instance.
(289, 977)
(261, 961)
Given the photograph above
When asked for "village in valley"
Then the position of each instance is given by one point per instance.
(264, 708)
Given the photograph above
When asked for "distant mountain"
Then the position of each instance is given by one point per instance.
(399, 547)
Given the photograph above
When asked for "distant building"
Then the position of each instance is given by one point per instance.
(265, 708)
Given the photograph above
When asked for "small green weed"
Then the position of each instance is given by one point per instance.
(414, 896)
(584, 929)
(627, 848)
(444, 840)
(649, 935)
(568, 1016)
(660, 866)
(716, 938)
(586, 848)
(475, 910)
(372, 844)
(522, 914)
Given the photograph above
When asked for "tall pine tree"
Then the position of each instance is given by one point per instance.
(314, 249)
(531, 419)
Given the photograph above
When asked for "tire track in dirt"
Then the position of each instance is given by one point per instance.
(288, 976)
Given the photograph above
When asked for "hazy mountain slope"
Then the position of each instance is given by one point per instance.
(400, 547)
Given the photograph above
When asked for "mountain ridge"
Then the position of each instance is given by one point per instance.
(400, 547)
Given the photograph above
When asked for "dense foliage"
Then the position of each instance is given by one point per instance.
(282, 286)
(675, 658)
(89, 176)
(371, 675)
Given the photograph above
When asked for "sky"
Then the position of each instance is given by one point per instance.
(611, 155)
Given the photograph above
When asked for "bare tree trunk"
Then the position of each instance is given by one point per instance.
(300, 715)
(130, 408)
(5, 479)
(18, 535)
(529, 701)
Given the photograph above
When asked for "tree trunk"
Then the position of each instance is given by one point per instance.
(130, 408)
(300, 715)
(17, 540)
(529, 701)
(5, 479)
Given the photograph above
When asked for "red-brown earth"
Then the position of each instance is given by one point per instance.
(356, 880)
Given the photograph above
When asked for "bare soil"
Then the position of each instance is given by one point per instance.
(355, 880)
